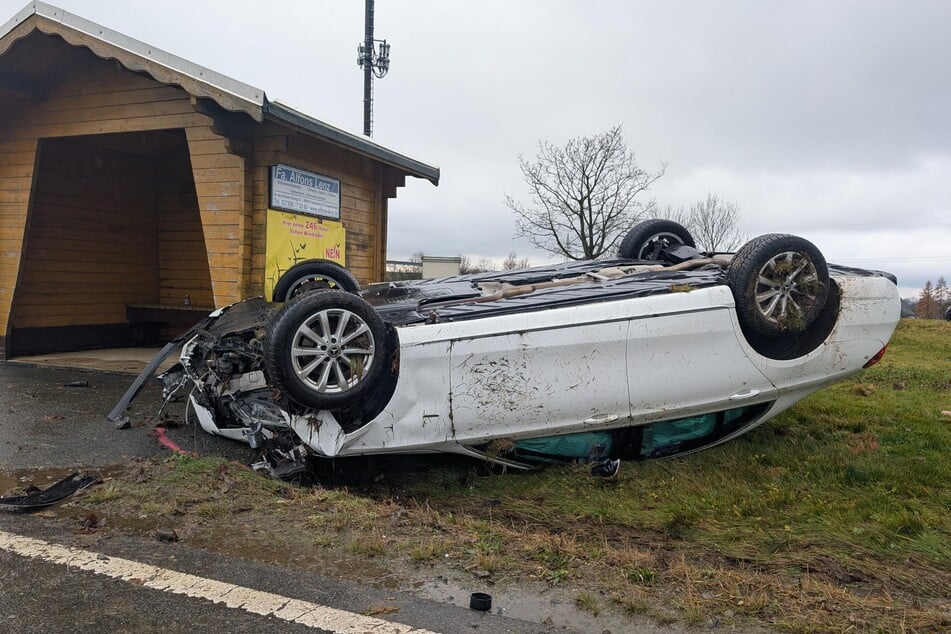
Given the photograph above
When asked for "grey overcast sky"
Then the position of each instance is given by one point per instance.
(828, 119)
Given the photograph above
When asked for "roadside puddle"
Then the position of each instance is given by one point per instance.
(18, 481)
(552, 607)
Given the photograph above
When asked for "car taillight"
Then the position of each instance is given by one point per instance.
(878, 357)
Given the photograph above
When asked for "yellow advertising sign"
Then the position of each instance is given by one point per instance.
(293, 238)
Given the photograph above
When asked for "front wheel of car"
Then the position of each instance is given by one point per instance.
(645, 240)
(325, 350)
(780, 284)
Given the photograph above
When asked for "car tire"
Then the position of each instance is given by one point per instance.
(780, 284)
(325, 350)
(645, 240)
(312, 275)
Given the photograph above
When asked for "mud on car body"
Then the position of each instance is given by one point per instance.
(662, 351)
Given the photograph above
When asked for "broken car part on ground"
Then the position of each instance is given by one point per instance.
(662, 351)
(36, 499)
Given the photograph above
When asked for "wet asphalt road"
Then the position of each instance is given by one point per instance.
(52, 418)
(39, 597)
(56, 418)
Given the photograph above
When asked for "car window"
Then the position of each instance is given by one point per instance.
(666, 438)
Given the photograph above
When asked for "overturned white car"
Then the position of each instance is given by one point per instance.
(662, 351)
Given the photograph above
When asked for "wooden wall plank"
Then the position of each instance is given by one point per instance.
(14, 206)
(220, 192)
(183, 259)
(122, 95)
(84, 261)
(111, 126)
(81, 112)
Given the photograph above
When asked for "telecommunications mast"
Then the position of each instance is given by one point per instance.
(374, 62)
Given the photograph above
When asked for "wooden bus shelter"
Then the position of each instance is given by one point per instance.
(131, 177)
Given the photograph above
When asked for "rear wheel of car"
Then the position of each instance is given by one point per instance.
(314, 275)
(780, 284)
(645, 240)
(325, 350)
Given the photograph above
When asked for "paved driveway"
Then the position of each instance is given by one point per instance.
(55, 417)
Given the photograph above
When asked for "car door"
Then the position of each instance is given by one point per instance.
(539, 373)
(684, 357)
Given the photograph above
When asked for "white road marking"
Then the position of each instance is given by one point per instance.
(247, 599)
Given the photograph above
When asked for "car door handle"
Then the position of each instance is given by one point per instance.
(601, 418)
(739, 396)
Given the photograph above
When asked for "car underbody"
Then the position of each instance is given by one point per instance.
(591, 361)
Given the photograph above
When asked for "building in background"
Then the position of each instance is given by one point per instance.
(436, 266)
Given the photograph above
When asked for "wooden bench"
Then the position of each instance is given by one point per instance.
(168, 321)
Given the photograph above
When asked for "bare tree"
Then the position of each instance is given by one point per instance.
(484, 265)
(713, 223)
(582, 195)
(679, 215)
(466, 266)
(513, 262)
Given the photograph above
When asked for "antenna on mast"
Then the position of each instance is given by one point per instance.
(373, 56)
